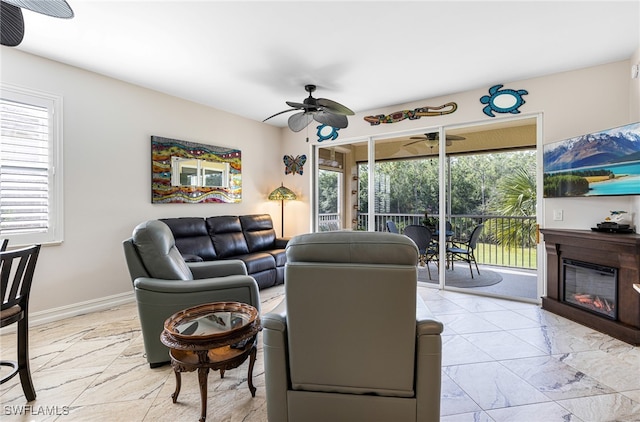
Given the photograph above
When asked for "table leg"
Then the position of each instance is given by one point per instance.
(252, 360)
(174, 396)
(202, 380)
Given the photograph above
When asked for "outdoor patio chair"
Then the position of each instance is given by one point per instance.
(464, 251)
(391, 227)
(423, 239)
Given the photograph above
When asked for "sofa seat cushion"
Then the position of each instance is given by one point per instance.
(280, 255)
(256, 262)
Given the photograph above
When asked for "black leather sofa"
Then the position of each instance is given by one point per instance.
(250, 238)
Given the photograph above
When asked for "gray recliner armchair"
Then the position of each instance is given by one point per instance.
(352, 340)
(165, 284)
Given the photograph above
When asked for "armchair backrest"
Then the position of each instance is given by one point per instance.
(351, 312)
(156, 253)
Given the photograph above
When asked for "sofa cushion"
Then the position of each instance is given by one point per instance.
(258, 231)
(155, 245)
(192, 238)
(258, 261)
(280, 255)
(228, 239)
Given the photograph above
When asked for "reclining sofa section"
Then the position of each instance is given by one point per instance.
(250, 238)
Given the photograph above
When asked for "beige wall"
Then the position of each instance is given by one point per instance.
(108, 123)
(107, 171)
(571, 104)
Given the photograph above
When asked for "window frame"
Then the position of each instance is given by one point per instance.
(54, 104)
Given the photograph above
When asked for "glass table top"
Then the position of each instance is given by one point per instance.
(217, 322)
(212, 321)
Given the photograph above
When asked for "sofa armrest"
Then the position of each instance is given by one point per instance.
(428, 363)
(276, 319)
(192, 258)
(276, 372)
(426, 324)
(282, 242)
(221, 268)
(190, 286)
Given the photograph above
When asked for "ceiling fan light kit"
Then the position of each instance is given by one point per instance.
(322, 110)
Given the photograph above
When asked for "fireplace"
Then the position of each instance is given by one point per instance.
(590, 277)
(591, 287)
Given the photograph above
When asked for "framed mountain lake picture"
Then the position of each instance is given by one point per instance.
(605, 163)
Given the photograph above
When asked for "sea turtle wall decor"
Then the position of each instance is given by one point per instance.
(502, 100)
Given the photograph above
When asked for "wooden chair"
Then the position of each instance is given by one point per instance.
(16, 274)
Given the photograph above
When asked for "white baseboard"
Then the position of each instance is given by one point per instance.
(81, 308)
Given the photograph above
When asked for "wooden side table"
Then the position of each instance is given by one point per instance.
(216, 336)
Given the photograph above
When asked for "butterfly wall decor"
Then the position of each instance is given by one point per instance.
(294, 165)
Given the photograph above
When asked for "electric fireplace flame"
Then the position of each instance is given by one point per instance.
(595, 303)
(591, 287)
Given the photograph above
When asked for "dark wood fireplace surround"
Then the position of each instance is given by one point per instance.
(621, 251)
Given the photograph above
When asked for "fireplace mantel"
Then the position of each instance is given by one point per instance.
(621, 251)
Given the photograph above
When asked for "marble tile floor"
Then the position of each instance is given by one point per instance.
(502, 361)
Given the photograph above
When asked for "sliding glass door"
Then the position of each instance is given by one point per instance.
(483, 177)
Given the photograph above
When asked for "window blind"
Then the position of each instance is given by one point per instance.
(24, 168)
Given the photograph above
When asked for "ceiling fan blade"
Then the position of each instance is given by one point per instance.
(11, 25)
(300, 106)
(414, 142)
(334, 120)
(54, 8)
(455, 138)
(299, 121)
(279, 113)
(422, 138)
(334, 107)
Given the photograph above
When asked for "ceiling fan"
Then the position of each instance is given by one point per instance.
(322, 110)
(12, 22)
(431, 139)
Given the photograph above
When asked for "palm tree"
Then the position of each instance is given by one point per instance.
(516, 198)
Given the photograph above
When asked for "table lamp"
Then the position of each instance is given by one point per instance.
(281, 194)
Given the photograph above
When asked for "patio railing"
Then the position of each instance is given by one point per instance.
(507, 241)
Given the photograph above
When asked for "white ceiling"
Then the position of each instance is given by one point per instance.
(247, 58)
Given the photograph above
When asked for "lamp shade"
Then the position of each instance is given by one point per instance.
(282, 193)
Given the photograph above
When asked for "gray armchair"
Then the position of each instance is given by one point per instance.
(165, 284)
(352, 340)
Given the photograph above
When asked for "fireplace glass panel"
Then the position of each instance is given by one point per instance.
(591, 287)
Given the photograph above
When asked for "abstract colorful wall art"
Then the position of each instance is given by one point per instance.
(193, 173)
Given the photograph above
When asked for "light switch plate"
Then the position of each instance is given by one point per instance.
(557, 215)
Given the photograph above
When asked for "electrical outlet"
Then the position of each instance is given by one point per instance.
(557, 215)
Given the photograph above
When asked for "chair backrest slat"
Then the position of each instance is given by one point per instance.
(16, 275)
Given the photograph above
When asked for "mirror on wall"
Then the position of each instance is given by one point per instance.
(198, 172)
(189, 172)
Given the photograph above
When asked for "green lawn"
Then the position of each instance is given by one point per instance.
(491, 254)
